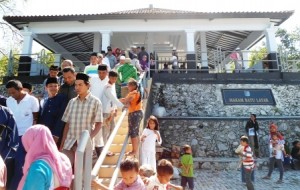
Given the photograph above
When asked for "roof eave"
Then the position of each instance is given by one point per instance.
(280, 15)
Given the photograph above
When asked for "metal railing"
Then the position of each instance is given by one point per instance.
(27, 64)
(104, 152)
(83, 162)
(98, 164)
(218, 61)
(114, 177)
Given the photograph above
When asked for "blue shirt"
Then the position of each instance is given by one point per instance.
(52, 110)
(9, 142)
(39, 176)
(112, 60)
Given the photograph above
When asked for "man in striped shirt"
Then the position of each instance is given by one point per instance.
(83, 112)
(247, 161)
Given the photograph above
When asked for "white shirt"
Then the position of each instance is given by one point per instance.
(149, 142)
(135, 62)
(105, 61)
(97, 86)
(109, 99)
(154, 184)
(23, 111)
(174, 61)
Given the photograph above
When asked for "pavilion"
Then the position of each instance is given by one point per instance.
(197, 35)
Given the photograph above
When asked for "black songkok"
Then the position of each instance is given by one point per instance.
(51, 80)
(82, 76)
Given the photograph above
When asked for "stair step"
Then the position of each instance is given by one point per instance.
(111, 160)
(106, 171)
(119, 139)
(106, 181)
(116, 148)
(123, 130)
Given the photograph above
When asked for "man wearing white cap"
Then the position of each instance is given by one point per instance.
(122, 61)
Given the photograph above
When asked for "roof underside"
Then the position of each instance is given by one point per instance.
(83, 42)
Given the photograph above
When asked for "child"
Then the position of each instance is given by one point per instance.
(109, 103)
(130, 177)
(295, 153)
(248, 162)
(276, 155)
(161, 181)
(135, 115)
(239, 150)
(186, 163)
(146, 171)
(149, 137)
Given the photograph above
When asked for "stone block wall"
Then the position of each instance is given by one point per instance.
(217, 138)
(192, 100)
(220, 137)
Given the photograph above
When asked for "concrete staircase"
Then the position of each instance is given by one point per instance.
(109, 164)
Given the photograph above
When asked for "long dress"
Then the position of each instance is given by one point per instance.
(148, 148)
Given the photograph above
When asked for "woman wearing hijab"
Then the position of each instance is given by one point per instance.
(252, 132)
(45, 167)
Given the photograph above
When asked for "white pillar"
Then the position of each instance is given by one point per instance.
(27, 42)
(204, 60)
(105, 39)
(190, 41)
(96, 43)
(271, 39)
(150, 41)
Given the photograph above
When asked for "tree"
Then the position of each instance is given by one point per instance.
(4, 61)
(10, 36)
(258, 55)
(46, 57)
(289, 48)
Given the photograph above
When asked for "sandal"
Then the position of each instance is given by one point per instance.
(130, 154)
(110, 154)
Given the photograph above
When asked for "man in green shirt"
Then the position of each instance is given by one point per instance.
(126, 72)
(186, 163)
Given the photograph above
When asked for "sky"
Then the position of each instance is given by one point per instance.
(54, 7)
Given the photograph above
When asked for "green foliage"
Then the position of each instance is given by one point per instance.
(289, 41)
(4, 66)
(46, 57)
(257, 56)
(290, 46)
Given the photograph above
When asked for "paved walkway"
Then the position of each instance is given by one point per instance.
(231, 180)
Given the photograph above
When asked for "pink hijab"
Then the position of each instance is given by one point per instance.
(273, 126)
(39, 144)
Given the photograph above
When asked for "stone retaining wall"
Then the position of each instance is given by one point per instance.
(206, 100)
(219, 138)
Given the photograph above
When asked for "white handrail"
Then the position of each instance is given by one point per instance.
(83, 162)
(116, 172)
(106, 147)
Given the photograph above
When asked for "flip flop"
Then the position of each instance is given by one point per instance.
(110, 154)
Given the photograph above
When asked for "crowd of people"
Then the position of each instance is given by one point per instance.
(40, 134)
(279, 153)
